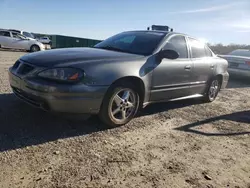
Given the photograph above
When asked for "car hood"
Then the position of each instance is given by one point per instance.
(67, 56)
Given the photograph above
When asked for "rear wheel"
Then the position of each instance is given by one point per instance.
(213, 90)
(34, 48)
(120, 105)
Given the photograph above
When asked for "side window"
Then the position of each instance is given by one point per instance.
(208, 52)
(14, 35)
(178, 43)
(5, 33)
(197, 48)
(18, 36)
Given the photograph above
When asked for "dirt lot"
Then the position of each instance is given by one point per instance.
(177, 144)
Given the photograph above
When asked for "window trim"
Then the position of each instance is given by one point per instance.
(206, 46)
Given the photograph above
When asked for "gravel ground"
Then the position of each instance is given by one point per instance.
(176, 144)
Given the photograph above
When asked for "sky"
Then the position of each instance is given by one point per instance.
(214, 21)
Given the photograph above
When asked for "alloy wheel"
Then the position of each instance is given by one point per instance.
(35, 48)
(213, 90)
(122, 105)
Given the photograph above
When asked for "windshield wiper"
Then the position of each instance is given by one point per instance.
(111, 48)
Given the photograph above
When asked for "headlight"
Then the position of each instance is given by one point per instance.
(62, 74)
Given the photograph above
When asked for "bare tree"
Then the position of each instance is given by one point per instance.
(225, 49)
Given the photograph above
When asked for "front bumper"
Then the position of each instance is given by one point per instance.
(42, 47)
(61, 98)
(225, 78)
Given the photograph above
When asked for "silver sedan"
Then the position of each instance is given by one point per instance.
(119, 75)
(239, 62)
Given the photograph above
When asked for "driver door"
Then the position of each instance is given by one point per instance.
(172, 78)
(18, 41)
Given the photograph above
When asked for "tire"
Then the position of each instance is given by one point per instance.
(35, 48)
(212, 90)
(120, 105)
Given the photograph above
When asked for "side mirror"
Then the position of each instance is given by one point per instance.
(168, 54)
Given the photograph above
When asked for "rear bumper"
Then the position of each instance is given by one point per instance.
(225, 78)
(239, 72)
(72, 99)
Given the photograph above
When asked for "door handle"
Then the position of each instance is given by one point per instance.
(188, 67)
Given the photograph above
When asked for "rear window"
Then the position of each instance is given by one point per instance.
(208, 52)
(245, 53)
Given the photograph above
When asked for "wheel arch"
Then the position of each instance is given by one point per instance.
(34, 45)
(220, 77)
(138, 82)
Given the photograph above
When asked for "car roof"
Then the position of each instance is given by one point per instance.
(148, 31)
(5, 30)
(167, 33)
(9, 31)
(159, 31)
(14, 30)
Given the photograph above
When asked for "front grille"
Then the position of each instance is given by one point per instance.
(24, 69)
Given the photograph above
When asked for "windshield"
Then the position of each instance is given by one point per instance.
(27, 34)
(142, 43)
(245, 53)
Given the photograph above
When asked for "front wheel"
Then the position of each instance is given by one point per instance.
(120, 105)
(34, 48)
(213, 90)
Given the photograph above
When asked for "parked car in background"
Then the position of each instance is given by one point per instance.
(14, 40)
(239, 62)
(25, 33)
(119, 75)
(44, 40)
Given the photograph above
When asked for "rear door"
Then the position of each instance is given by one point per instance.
(204, 65)
(5, 39)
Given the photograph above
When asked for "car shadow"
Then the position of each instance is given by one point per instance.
(22, 125)
(238, 82)
(240, 117)
(11, 50)
(165, 106)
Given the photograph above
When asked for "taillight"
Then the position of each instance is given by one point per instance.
(248, 63)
